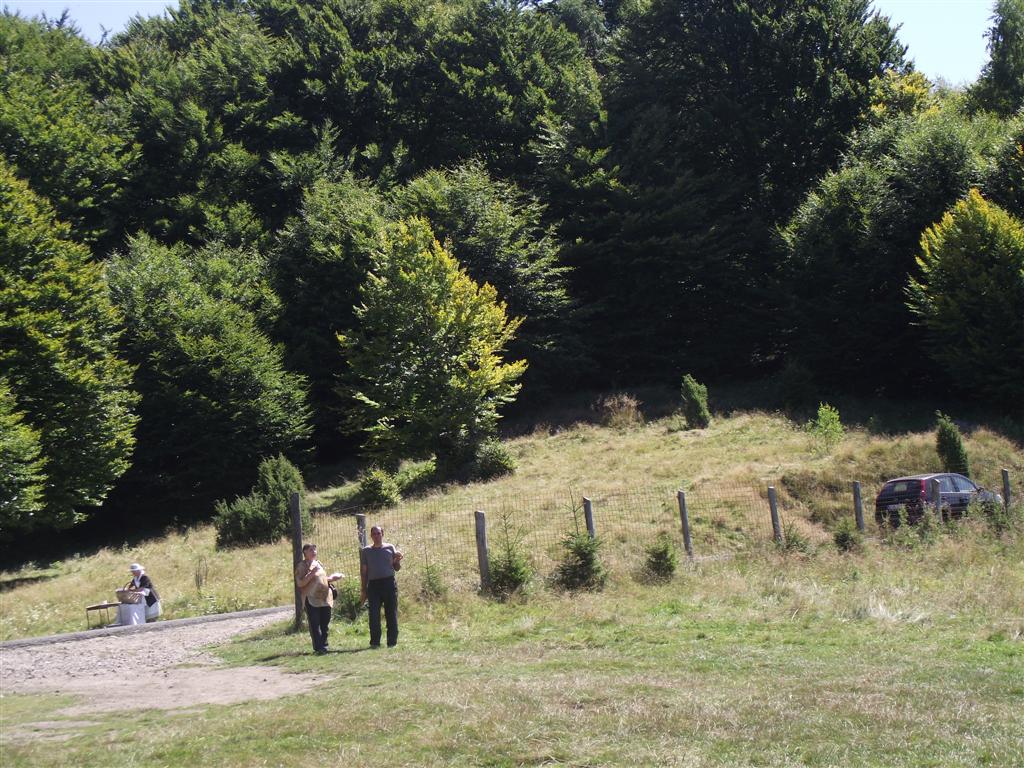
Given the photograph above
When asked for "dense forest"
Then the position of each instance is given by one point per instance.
(317, 229)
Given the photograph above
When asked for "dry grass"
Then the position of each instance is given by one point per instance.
(580, 457)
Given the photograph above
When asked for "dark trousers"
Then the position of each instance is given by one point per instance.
(383, 592)
(319, 620)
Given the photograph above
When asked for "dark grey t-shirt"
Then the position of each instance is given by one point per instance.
(378, 561)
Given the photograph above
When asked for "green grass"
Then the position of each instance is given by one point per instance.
(904, 654)
(891, 658)
(739, 447)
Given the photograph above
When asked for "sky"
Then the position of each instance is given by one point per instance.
(946, 38)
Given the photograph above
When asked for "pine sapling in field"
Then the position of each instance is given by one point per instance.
(662, 559)
(950, 446)
(511, 570)
(695, 403)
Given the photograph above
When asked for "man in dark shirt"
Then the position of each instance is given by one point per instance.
(377, 565)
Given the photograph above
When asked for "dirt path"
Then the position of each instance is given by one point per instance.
(165, 669)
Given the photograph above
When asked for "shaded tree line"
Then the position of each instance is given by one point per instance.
(254, 228)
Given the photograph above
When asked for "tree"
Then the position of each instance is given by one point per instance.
(22, 468)
(319, 261)
(969, 295)
(950, 446)
(68, 387)
(496, 233)
(65, 142)
(852, 243)
(216, 397)
(426, 369)
(719, 115)
(762, 90)
(1000, 87)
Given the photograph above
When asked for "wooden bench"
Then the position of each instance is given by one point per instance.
(105, 607)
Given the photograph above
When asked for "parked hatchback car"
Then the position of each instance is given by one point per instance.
(914, 491)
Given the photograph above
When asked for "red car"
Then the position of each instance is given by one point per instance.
(911, 493)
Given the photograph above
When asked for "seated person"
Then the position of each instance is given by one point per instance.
(140, 582)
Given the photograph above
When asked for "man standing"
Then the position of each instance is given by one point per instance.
(315, 587)
(377, 565)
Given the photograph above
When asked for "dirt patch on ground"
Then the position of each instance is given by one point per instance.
(166, 669)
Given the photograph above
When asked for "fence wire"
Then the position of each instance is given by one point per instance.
(724, 518)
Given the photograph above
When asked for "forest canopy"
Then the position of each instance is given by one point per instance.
(251, 229)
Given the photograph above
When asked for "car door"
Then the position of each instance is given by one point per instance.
(966, 491)
(949, 494)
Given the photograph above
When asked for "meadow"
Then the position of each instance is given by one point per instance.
(908, 651)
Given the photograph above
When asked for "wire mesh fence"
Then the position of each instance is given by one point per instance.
(723, 518)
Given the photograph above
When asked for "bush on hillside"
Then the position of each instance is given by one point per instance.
(826, 429)
(695, 403)
(581, 566)
(432, 584)
(662, 559)
(263, 516)
(492, 460)
(348, 604)
(950, 446)
(619, 411)
(379, 488)
(847, 537)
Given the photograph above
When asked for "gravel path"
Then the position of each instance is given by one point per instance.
(132, 670)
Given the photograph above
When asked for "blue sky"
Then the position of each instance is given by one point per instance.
(946, 38)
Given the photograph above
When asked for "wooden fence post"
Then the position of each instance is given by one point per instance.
(1006, 489)
(935, 493)
(588, 513)
(361, 529)
(294, 509)
(481, 551)
(773, 504)
(685, 518)
(858, 506)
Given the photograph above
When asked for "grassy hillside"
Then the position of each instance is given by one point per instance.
(573, 450)
(892, 657)
(908, 652)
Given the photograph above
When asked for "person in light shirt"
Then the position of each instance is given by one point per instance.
(140, 582)
(317, 596)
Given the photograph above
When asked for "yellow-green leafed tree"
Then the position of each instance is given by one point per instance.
(426, 369)
(969, 296)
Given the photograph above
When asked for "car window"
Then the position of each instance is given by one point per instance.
(946, 484)
(963, 484)
(900, 487)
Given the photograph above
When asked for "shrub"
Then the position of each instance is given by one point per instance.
(662, 559)
(928, 526)
(379, 488)
(847, 537)
(695, 403)
(795, 541)
(493, 459)
(950, 446)
(581, 566)
(263, 516)
(276, 480)
(416, 477)
(510, 567)
(246, 520)
(619, 411)
(433, 587)
(826, 429)
(1001, 519)
(348, 604)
